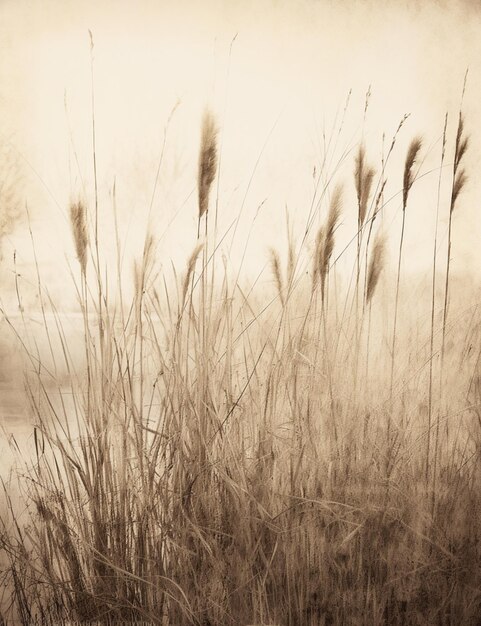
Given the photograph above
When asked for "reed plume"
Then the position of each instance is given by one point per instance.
(459, 181)
(413, 151)
(376, 264)
(207, 161)
(190, 270)
(78, 222)
(331, 225)
(461, 142)
(459, 176)
(325, 241)
(276, 270)
(364, 176)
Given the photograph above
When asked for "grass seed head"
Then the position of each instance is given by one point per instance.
(325, 240)
(364, 177)
(190, 270)
(207, 160)
(459, 182)
(411, 157)
(460, 176)
(78, 221)
(276, 270)
(331, 225)
(376, 265)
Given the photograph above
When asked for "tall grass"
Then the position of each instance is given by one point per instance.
(215, 464)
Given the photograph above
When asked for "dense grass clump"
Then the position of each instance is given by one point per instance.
(234, 457)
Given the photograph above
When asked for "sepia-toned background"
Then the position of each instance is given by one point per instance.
(276, 74)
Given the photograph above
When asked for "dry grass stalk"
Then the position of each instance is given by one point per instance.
(291, 260)
(207, 161)
(141, 271)
(317, 258)
(379, 198)
(431, 337)
(408, 181)
(459, 180)
(78, 221)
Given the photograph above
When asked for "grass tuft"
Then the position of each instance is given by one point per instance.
(210, 455)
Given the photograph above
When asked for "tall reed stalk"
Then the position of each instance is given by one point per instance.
(363, 176)
(459, 178)
(208, 162)
(324, 248)
(408, 181)
(376, 265)
(433, 308)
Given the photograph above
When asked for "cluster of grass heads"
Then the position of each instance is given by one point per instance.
(221, 457)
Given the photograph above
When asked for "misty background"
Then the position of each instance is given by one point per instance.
(288, 83)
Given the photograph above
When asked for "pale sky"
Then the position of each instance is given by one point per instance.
(277, 96)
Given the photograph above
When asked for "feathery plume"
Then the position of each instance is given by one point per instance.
(459, 183)
(276, 270)
(413, 151)
(190, 270)
(364, 177)
(376, 264)
(78, 222)
(460, 176)
(331, 225)
(325, 241)
(207, 160)
(461, 142)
